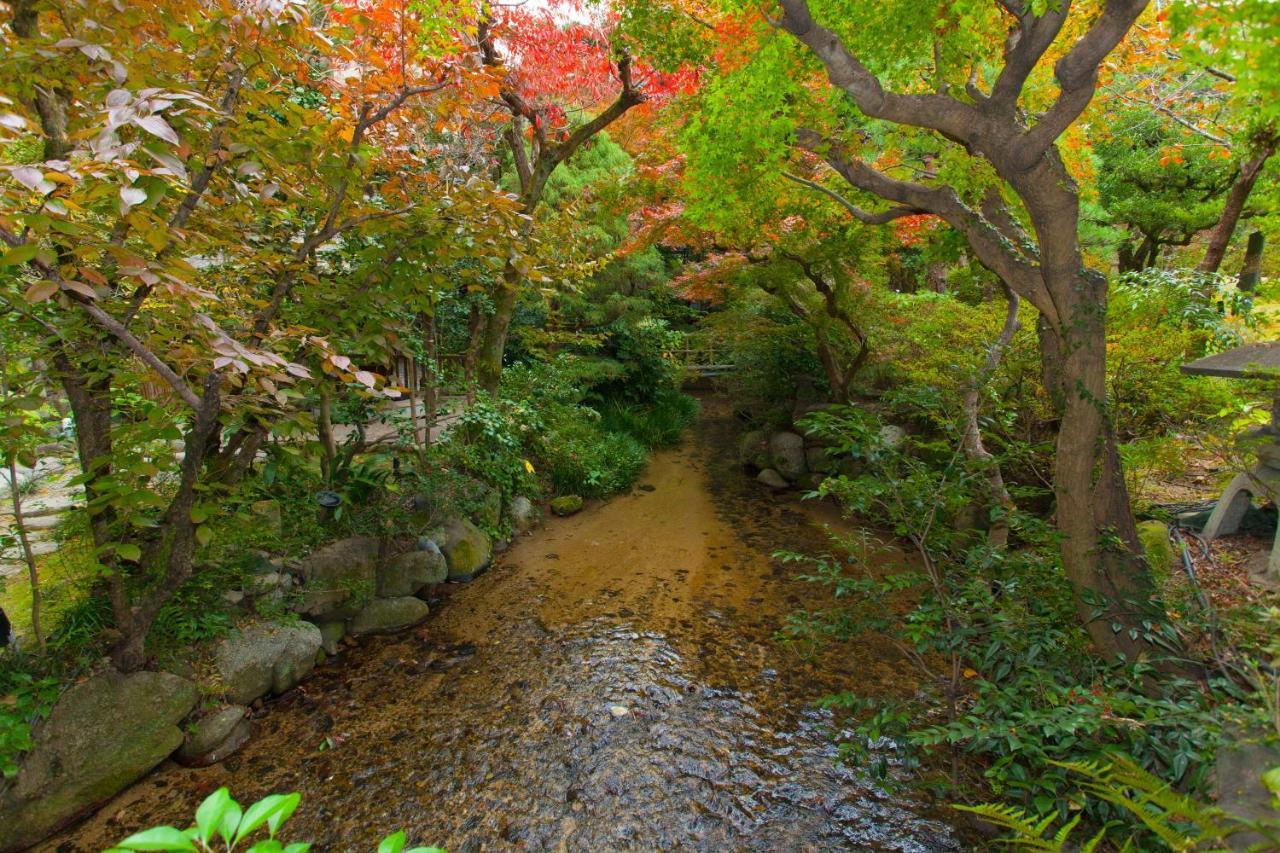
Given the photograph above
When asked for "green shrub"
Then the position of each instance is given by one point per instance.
(580, 457)
(658, 424)
(1013, 683)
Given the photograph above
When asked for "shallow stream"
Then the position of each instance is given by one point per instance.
(613, 683)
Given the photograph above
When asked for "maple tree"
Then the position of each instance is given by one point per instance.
(180, 221)
(547, 68)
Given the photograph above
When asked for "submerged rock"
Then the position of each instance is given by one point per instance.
(266, 658)
(101, 736)
(389, 614)
(786, 452)
(214, 737)
(466, 548)
(566, 504)
(772, 479)
(409, 572)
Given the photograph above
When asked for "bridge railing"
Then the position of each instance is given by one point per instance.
(705, 352)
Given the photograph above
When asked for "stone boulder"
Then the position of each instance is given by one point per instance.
(389, 614)
(773, 480)
(490, 512)
(786, 452)
(101, 736)
(466, 548)
(753, 449)
(566, 505)
(331, 633)
(522, 513)
(892, 437)
(215, 736)
(818, 460)
(405, 574)
(265, 657)
(338, 578)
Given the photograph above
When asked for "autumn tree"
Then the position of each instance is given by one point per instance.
(195, 167)
(551, 65)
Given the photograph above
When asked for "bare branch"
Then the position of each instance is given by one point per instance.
(881, 218)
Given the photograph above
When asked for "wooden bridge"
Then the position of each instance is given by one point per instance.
(703, 356)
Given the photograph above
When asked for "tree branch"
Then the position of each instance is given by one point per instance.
(881, 218)
(1077, 76)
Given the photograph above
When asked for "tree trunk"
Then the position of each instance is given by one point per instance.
(1233, 208)
(1251, 269)
(974, 448)
(494, 343)
(1101, 554)
(170, 555)
(324, 430)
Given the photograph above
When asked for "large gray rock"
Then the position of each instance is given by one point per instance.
(214, 737)
(389, 614)
(1241, 761)
(786, 452)
(101, 736)
(266, 657)
(523, 514)
(339, 578)
(405, 574)
(466, 548)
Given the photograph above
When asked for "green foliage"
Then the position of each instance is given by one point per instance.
(1172, 820)
(993, 631)
(27, 699)
(661, 423)
(222, 825)
(1160, 197)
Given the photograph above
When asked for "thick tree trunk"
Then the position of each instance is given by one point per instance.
(1233, 208)
(494, 344)
(1251, 269)
(1101, 553)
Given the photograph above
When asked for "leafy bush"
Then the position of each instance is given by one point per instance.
(658, 424)
(581, 457)
(27, 699)
(1177, 821)
(993, 632)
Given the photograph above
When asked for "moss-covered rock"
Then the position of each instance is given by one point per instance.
(265, 657)
(407, 573)
(102, 735)
(566, 504)
(1155, 542)
(389, 614)
(467, 549)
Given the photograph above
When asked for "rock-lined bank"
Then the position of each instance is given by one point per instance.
(110, 730)
(614, 683)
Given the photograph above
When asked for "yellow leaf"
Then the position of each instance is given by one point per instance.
(970, 673)
(528, 466)
(347, 134)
